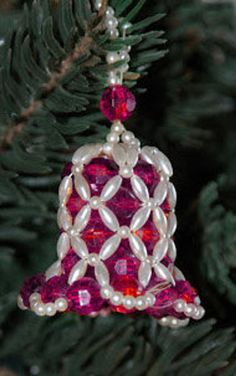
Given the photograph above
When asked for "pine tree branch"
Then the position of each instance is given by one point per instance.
(80, 49)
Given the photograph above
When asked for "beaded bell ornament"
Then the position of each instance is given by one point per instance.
(116, 250)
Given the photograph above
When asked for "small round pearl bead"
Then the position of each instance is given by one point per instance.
(93, 259)
(39, 309)
(98, 4)
(190, 310)
(141, 303)
(150, 299)
(113, 137)
(61, 304)
(72, 232)
(77, 169)
(113, 34)
(50, 309)
(164, 321)
(124, 232)
(110, 11)
(111, 22)
(124, 55)
(126, 172)
(107, 148)
(95, 202)
(135, 142)
(20, 303)
(106, 292)
(126, 26)
(129, 302)
(180, 305)
(174, 323)
(127, 137)
(112, 57)
(116, 298)
(35, 297)
(117, 127)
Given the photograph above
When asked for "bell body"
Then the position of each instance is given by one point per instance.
(116, 250)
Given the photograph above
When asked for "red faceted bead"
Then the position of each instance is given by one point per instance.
(31, 285)
(95, 233)
(117, 103)
(148, 174)
(98, 172)
(54, 288)
(186, 291)
(74, 203)
(84, 296)
(149, 235)
(128, 286)
(164, 303)
(69, 261)
(124, 204)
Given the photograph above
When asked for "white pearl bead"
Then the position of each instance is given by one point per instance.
(35, 297)
(111, 22)
(164, 321)
(129, 302)
(107, 148)
(126, 172)
(113, 34)
(113, 79)
(190, 310)
(112, 57)
(113, 137)
(50, 309)
(93, 259)
(141, 303)
(127, 137)
(39, 309)
(117, 127)
(199, 313)
(124, 55)
(116, 298)
(126, 26)
(174, 323)
(98, 4)
(150, 299)
(124, 232)
(110, 11)
(180, 305)
(124, 68)
(135, 142)
(95, 202)
(106, 292)
(61, 304)
(77, 169)
(20, 303)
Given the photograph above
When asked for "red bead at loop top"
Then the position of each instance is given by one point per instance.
(117, 103)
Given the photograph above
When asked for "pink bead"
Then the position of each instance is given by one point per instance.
(149, 235)
(148, 174)
(84, 297)
(117, 103)
(54, 288)
(96, 233)
(98, 172)
(164, 303)
(69, 261)
(124, 204)
(74, 203)
(31, 285)
(186, 291)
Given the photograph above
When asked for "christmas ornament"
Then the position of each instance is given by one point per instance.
(117, 220)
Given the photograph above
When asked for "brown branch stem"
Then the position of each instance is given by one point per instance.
(80, 49)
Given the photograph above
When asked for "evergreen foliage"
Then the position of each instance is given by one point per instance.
(52, 74)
